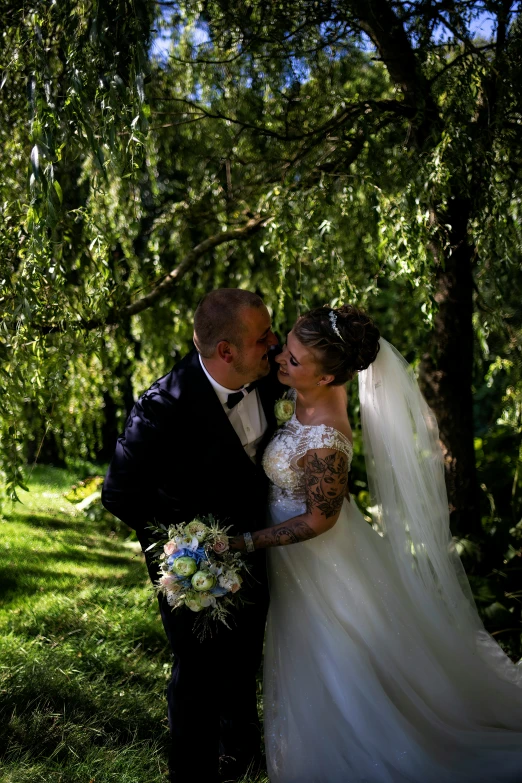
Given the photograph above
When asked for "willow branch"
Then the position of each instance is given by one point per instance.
(167, 283)
(351, 111)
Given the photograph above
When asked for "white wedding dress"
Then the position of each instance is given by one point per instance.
(368, 679)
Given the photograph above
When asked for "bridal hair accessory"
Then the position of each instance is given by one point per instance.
(198, 570)
(284, 410)
(249, 544)
(333, 320)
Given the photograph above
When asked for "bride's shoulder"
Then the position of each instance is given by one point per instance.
(332, 423)
(339, 424)
(327, 432)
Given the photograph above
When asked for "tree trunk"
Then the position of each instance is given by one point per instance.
(446, 372)
(113, 422)
(447, 368)
(113, 425)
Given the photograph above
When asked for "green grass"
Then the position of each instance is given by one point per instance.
(83, 657)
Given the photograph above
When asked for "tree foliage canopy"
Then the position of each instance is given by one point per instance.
(315, 152)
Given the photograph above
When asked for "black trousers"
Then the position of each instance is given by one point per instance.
(212, 695)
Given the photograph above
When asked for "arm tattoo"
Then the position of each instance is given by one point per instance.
(325, 480)
(290, 532)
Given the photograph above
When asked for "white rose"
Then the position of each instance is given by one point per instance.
(193, 601)
(284, 410)
(206, 599)
(197, 529)
(203, 581)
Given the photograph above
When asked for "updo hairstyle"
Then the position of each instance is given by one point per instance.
(343, 356)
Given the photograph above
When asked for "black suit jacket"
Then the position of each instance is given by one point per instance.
(180, 457)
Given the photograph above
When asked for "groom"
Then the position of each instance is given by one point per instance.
(192, 446)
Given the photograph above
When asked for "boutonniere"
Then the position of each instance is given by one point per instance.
(284, 409)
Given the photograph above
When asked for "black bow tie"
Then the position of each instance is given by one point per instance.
(236, 397)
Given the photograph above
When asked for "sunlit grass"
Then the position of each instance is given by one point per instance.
(83, 657)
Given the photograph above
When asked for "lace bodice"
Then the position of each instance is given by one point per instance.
(291, 442)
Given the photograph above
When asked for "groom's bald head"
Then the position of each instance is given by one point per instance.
(219, 316)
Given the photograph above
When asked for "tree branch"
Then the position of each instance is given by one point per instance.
(165, 284)
(462, 56)
(378, 20)
(351, 110)
(168, 282)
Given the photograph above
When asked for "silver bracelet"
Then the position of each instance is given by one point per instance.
(249, 544)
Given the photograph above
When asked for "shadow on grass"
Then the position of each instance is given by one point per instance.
(85, 684)
(43, 726)
(47, 522)
(25, 579)
(73, 522)
(145, 632)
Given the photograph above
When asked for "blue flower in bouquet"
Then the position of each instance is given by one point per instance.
(196, 554)
(179, 553)
(200, 554)
(219, 591)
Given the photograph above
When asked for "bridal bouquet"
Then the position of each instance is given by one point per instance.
(197, 569)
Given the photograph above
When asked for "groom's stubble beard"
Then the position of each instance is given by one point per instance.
(251, 372)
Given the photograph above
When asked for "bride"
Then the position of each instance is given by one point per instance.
(377, 667)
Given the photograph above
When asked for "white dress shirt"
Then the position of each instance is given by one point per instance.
(247, 417)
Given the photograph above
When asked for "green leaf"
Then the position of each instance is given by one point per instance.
(58, 190)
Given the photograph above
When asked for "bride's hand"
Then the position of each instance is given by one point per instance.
(237, 543)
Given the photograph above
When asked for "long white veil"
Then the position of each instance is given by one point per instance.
(405, 469)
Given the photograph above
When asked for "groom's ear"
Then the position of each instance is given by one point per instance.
(224, 351)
